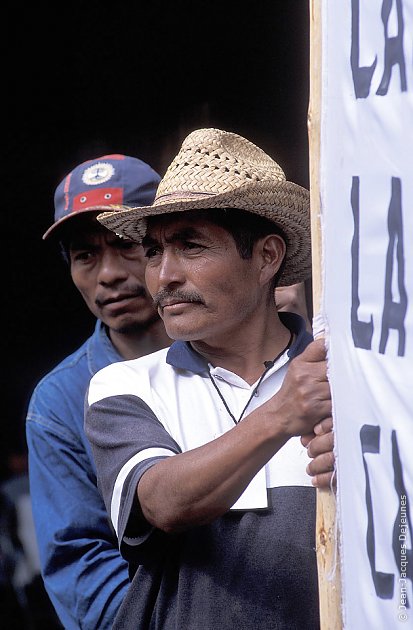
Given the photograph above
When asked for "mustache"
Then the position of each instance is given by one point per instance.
(184, 296)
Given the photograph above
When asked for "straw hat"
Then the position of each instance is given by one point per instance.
(219, 169)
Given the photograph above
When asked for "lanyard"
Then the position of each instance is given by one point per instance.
(268, 366)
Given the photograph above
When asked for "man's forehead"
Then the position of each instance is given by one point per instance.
(173, 227)
(87, 231)
(83, 223)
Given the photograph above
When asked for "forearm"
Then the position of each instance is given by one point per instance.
(199, 485)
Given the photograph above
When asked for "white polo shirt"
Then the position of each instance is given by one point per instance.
(254, 566)
(129, 402)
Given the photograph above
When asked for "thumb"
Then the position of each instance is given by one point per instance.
(315, 351)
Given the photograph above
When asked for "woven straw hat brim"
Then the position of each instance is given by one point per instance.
(286, 203)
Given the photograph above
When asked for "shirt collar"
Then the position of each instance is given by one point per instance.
(296, 324)
(101, 351)
(182, 356)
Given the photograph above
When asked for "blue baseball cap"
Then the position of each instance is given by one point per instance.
(102, 184)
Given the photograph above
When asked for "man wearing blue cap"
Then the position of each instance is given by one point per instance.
(84, 574)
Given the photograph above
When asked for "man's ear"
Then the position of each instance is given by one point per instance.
(272, 249)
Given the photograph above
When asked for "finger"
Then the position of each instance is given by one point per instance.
(308, 371)
(325, 426)
(306, 439)
(321, 464)
(320, 444)
(326, 481)
(317, 371)
(315, 351)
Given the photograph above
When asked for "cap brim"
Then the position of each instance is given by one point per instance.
(54, 229)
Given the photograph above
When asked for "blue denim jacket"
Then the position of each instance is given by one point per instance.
(84, 574)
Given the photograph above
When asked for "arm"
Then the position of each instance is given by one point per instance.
(84, 574)
(197, 486)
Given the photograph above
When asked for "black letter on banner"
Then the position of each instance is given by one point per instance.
(394, 313)
(362, 332)
(393, 48)
(361, 76)
(383, 582)
(401, 534)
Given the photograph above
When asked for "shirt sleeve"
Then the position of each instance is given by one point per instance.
(126, 438)
(84, 574)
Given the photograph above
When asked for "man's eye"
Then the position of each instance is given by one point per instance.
(191, 245)
(82, 256)
(128, 245)
(150, 252)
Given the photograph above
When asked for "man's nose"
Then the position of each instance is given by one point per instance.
(170, 269)
(111, 268)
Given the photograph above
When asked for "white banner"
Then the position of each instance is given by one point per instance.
(366, 184)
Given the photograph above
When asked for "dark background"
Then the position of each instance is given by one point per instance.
(87, 78)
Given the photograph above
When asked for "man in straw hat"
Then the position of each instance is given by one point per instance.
(198, 447)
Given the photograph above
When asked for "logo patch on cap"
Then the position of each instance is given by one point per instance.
(98, 173)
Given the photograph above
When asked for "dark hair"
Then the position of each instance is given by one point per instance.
(246, 228)
(69, 231)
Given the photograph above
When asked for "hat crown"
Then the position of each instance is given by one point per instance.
(103, 182)
(212, 161)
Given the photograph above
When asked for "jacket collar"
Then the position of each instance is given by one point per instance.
(101, 352)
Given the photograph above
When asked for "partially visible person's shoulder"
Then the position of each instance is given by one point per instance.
(57, 400)
(61, 372)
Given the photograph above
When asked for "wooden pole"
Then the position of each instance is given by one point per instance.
(328, 561)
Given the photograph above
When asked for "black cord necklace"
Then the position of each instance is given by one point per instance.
(268, 366)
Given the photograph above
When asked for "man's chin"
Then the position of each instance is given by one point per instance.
(178, 334)
(131, 326)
